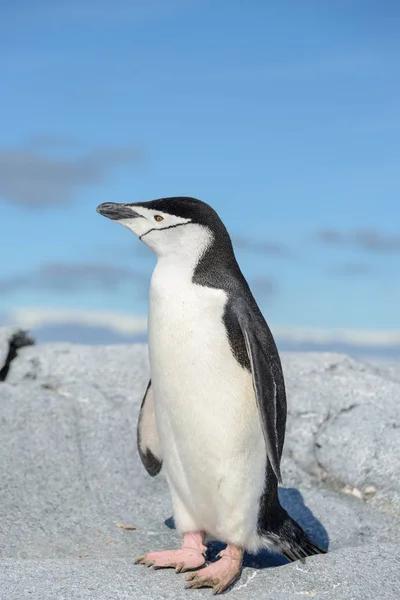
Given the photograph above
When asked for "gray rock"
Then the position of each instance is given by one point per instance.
(363, 573)
(105, 367)
(342, 519)
(361, 444)
(71, 474)
(344, 423)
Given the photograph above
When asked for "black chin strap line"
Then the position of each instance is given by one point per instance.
(163, 229)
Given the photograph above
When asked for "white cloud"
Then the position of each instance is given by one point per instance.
(31, 318)
(28, 178)
(354, 337)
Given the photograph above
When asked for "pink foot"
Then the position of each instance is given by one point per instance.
(190, 556)
(220, 574)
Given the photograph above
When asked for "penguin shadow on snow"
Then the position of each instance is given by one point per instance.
(292, 501)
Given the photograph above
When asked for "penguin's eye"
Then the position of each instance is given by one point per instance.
(159, 218)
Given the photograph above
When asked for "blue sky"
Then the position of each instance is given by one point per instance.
(285, 116)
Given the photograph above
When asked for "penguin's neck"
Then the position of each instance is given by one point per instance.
(182, 250)
(196, 256)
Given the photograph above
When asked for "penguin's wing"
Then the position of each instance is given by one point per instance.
(268, 382)
(148, 442)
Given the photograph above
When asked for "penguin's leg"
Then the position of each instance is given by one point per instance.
(191, 555)
(221, 574)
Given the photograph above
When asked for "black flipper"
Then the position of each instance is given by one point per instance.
(148, 442)
(268, 381)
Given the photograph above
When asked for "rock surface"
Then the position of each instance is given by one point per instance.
(71, 474)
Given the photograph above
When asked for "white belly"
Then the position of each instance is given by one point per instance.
(207, 419)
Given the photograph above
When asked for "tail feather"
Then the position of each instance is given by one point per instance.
(308, 548)
(288, 538)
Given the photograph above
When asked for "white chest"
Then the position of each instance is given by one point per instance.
(192, 365)
(186, 329)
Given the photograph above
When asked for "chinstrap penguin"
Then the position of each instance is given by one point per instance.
(214, 413)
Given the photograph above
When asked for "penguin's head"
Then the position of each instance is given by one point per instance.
(168, 225)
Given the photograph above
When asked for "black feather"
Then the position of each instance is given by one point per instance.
(292, 540)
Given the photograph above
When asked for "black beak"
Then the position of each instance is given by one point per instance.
(117, 211)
